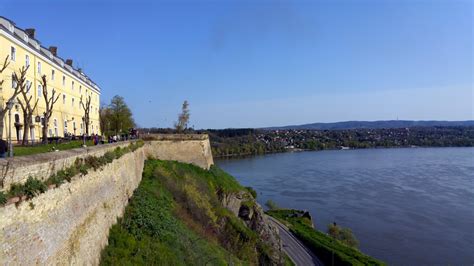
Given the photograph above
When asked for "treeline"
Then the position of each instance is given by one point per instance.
(236, 142)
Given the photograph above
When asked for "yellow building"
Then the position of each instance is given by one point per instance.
(67, 119)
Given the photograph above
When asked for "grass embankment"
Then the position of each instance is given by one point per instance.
(324, 246)
(175, 218)
(42, 148)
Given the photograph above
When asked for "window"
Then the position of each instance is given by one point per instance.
(55, 127)
(39, 67)
(13, 53)
(64, 99)
(52, 74)
(80, 89)
(65, 128)
(72, 102)
(27, 60)
(28, 86)
(72, 85)
(13, 81)
(40, 90)
(64, 81)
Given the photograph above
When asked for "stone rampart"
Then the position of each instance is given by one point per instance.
(70, 224)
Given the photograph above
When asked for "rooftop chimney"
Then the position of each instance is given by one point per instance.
(69, 62)
(30, 33)
(53, 50)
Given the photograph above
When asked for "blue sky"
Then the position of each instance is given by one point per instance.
(267, 63)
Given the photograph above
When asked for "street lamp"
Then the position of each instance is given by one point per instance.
(10, 105)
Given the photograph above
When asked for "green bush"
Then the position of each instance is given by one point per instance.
(271, 205)
(16, 190)
(109, 156)
(252, 192)
(34, 187)
(3, 198)
(344, 235)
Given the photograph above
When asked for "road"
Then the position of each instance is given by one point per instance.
(300, 255)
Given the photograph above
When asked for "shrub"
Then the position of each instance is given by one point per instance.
(252, 192)
(109, 156)
(3, 198)
(34, 187)
(119, 152)
(344, 235)
(271, 205)
(16, 190)
(92, 162)
(54, 180)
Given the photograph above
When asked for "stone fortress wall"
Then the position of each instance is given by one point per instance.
(70, 224)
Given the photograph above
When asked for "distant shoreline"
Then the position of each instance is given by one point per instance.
(246, 155)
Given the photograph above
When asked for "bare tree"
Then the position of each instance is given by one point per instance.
(3, 110)
(87, 109)
(49, 104)
(105, 114)
(25, 103)
(183, 118)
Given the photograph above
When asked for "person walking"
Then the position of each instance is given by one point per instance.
(3, 148)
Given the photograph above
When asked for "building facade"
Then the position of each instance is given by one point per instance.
(70, 84)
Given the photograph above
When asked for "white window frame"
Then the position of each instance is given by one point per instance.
(39, 68)
(40, 90)
(52, 74)
(27, 60)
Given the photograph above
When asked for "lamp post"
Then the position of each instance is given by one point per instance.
(10, 104)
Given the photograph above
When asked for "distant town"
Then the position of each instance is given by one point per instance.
(236, 142)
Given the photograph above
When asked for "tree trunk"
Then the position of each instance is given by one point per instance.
(45, 131)
(2, 124)
(26, 131)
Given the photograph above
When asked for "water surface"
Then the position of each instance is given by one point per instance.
(405, 206)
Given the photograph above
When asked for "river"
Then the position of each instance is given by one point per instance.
(405, 206)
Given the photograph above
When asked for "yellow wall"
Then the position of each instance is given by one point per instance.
(63, 111)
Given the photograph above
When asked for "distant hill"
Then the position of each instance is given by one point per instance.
(377, 124)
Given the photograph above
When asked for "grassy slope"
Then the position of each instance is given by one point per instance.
(175, 218)
(321, 244)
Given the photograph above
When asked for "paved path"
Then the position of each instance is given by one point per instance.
(300, 255)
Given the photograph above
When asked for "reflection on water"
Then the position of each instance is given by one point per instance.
(405, 206)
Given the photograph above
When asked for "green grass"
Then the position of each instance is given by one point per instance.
(42, 148)
(175, 217)
(324, 246)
